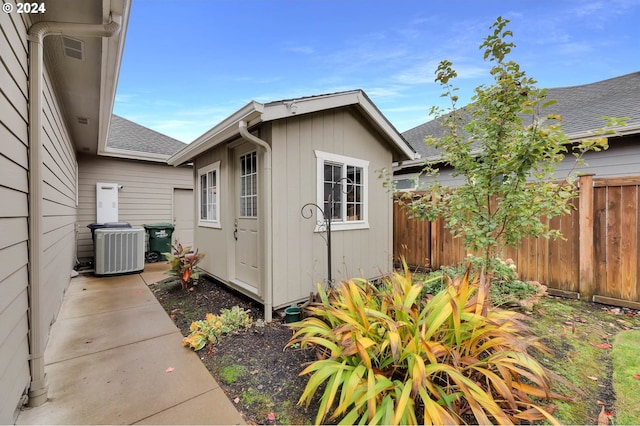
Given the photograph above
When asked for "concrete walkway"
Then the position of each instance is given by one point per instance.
(115, 357)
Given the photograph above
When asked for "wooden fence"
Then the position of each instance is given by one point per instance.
(598, 260)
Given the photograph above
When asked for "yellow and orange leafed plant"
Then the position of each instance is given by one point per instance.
(392, 356)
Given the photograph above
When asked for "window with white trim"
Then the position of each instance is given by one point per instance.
(209, 195)
(342, 190)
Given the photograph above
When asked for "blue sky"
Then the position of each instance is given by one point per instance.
(189, 64)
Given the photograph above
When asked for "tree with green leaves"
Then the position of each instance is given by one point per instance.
(506, 150)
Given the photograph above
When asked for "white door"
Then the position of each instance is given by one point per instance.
(183, 212)
(246, 217)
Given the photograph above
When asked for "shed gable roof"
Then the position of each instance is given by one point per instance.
(582, 108)
(255, 113)
(131, 140)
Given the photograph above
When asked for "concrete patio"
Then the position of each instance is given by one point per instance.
(115, 357)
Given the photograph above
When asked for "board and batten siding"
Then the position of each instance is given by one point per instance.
(300, 254)
(14, 168)
(216, 242)
(146, 196)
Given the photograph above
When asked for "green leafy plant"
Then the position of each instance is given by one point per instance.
(213, 326)
(182, 262)
(499, 144)
(506, 288)
(388, 356)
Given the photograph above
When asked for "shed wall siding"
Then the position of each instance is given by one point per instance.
(215, 242)
(146, 196)
(14, 351)
(300, 254)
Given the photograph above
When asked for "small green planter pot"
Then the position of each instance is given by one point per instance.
(292, 314)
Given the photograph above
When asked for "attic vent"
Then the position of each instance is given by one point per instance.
(73, 48)
(83, 120)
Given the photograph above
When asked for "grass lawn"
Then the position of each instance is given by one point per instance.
(585, 338)
(626, 376)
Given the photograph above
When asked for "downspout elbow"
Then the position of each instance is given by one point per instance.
(40, 30)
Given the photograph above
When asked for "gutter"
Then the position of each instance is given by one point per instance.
(38, 388)
(268, 296)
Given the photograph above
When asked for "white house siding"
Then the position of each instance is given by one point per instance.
(59, 174)
(300, 254)
(14, 351)
(146, 196)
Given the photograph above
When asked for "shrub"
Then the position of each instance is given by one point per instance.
(213, 326)
(506, 289)
(389, 356)
(182, 262)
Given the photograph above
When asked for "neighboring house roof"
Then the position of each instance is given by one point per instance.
(131, 140)
(582, 108)
(255, 113)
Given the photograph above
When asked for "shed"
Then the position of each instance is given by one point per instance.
(256, 169)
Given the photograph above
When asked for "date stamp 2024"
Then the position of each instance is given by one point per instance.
(32, 7)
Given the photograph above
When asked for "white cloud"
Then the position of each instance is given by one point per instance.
(305, 50)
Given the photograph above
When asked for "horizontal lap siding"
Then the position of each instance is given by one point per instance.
(146, 196)
(300, 254)
(14, 351)
(59, 172)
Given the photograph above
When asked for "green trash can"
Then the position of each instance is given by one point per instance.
(159, 240)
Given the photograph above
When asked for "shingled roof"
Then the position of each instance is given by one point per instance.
(582, 108)
(127, 135)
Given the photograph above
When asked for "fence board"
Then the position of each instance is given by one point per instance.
(613, 242)
(628, 249)
(599, 238)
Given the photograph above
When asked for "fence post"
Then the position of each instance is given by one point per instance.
(585, 220)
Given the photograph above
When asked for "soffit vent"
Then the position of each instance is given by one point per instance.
(73, 48)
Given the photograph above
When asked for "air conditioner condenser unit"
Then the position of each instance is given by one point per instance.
(119, 251)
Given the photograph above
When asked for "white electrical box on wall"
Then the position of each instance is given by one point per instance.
(106, 202)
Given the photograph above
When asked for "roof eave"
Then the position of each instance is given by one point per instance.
(135, 155)
(112, 49)
(226, 129)
(289, 108)
(629, 129)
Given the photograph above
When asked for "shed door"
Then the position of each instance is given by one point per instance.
(246, 220)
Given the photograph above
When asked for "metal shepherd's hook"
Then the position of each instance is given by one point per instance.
(327, 220)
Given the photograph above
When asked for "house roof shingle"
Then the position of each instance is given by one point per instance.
(127, 135)
(582, 108)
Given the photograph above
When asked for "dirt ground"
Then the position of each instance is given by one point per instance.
(256, 372)
(262, 379)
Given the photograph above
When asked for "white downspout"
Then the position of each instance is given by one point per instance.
(38, 387)
(268, 297)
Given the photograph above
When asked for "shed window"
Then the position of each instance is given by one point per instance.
(342, 190)
(209, 195)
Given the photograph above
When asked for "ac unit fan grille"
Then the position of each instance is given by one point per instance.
(119, 251)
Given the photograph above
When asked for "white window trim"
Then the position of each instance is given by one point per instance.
(321, 158)
(204, 222)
